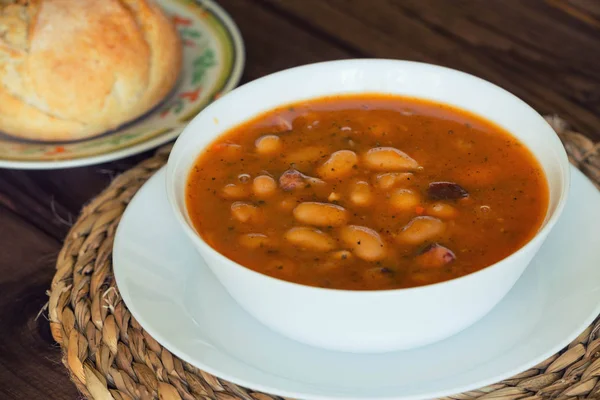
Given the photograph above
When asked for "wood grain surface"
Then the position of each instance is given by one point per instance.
(546, 52)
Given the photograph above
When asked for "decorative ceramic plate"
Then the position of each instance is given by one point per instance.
(213, 59)
(173, 294)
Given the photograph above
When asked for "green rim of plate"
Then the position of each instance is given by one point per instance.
(213, 63)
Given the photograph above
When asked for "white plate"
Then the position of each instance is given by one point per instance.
(176, 298)
(213, 60)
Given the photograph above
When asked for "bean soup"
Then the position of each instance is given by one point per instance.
(367, 192)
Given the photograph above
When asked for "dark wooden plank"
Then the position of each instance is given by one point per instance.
(274, 42)
(540, 53)
(587, 11)
(30, 366)
(538, 62)
(51, 200)
(22, 195)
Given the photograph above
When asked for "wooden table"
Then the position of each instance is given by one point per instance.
(546, 52)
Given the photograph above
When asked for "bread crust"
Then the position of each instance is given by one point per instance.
(72, 69)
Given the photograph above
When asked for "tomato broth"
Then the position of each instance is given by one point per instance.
(367, 192)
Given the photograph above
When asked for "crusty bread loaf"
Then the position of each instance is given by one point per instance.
(71, 69)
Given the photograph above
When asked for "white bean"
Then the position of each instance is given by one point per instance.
(320, 214)
(333, 196)
(245, 212)
(310, 239)
(364, 242)
(404, 199)
(339, 165)
(361, 194)
(255, 240)
(421, 229)
(235, 191)
(389, 180)
(341, 255)
(389, 159)
(264, 186)
(268, 145)
(442, 210)
(288, 204)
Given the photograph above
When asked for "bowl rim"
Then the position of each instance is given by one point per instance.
(539, 236)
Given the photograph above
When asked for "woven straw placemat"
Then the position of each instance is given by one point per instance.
(110, 356)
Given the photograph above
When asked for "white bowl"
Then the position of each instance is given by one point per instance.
(369, 321)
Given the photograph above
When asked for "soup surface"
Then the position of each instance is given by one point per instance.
(367, 192)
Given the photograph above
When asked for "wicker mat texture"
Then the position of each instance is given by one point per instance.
(110, 356)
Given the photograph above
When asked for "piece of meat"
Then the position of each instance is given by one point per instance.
(446, 191)
(293, 179)
(435, 256)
